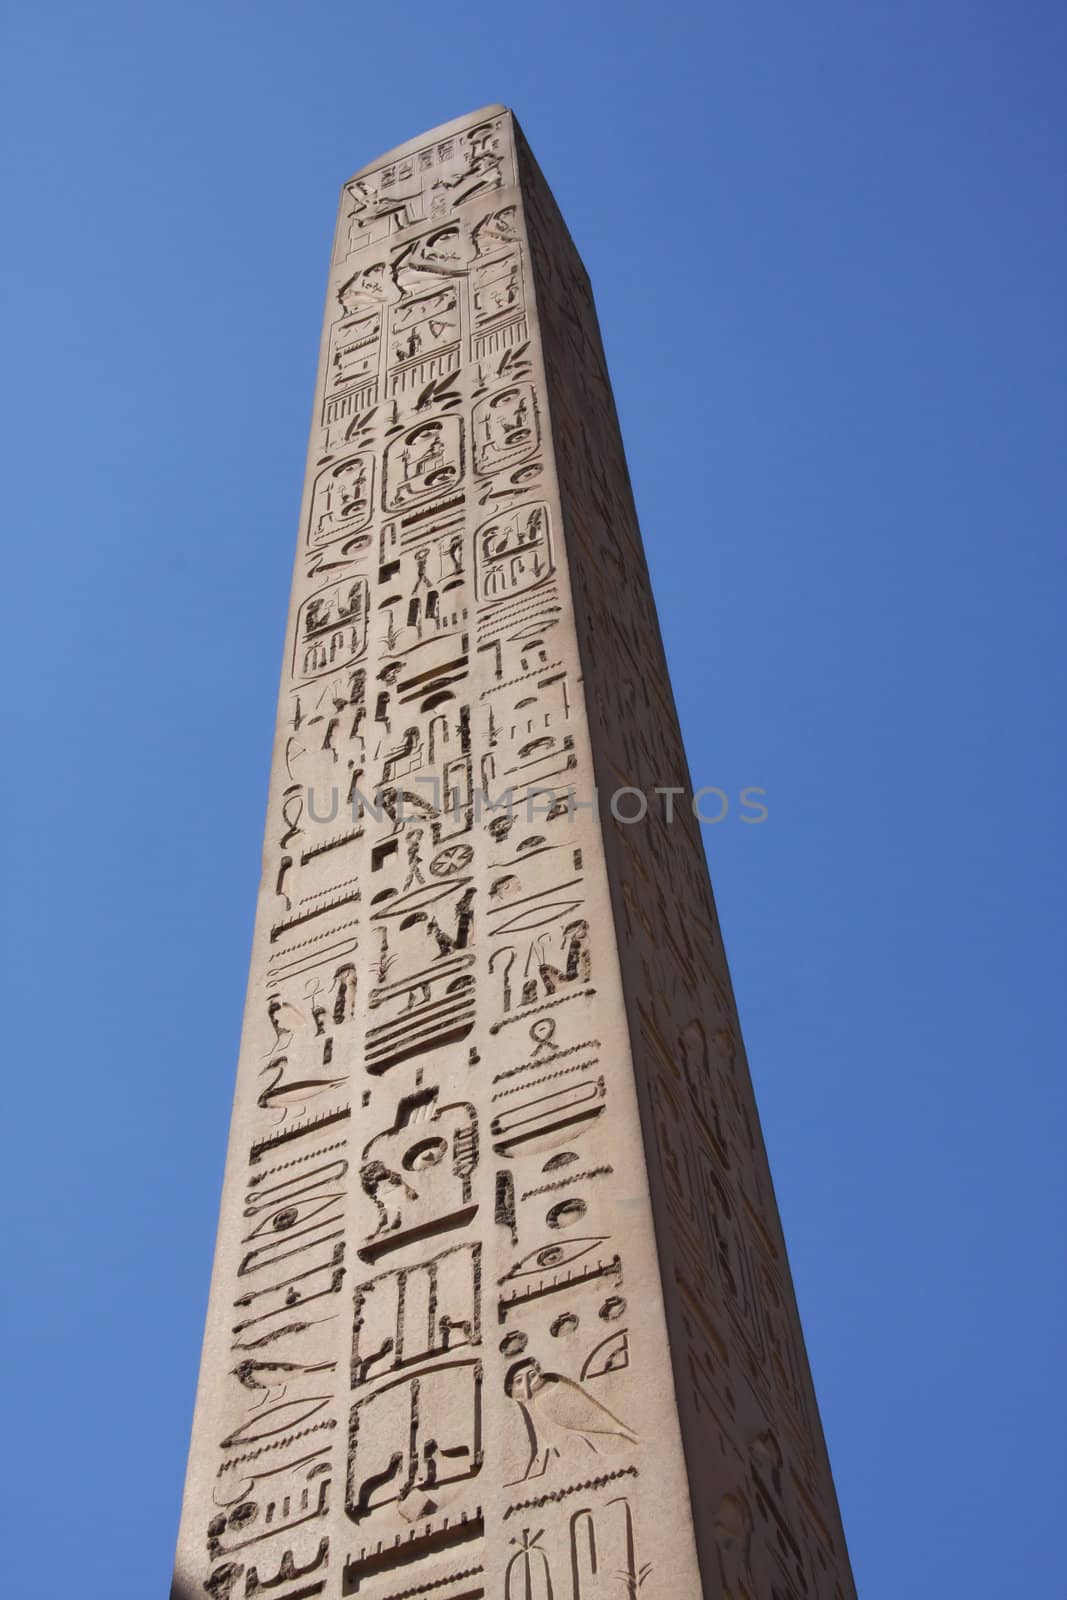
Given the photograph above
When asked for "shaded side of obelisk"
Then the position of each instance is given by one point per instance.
(762, 1493)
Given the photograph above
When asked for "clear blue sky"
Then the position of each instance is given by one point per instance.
(828, 244)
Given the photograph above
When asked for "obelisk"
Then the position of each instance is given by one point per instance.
(500, 1303)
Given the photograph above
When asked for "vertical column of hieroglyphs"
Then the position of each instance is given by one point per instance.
(415, 1411)
(764, 1503)
(496, 1431)
(339, 1404)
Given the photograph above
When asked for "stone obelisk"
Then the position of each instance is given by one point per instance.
(500, 1304)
